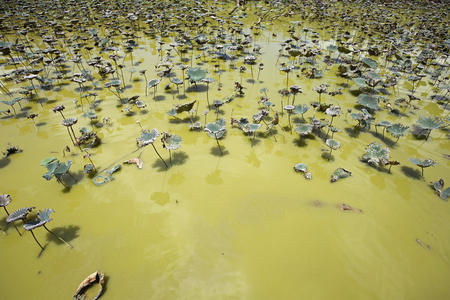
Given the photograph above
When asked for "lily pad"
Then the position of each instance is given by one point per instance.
(368, 101)
(147, 137)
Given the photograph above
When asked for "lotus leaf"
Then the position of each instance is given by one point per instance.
(110, 172)
(89, 168)
(370, 63)
(207, 80)
(51, 167)
(69, 121)
(153, 82)
(368, 101)
(176, 80)
(216, 129)
(304, 129)
(196, 74)
(19, 214)
(423, 163)
(250, 128)
(5, 199)
(361, 82)
(91, 115)
(429, 122)
(185, 107)
(301, 109)
(101, 179)
(147, 137)
(340, 173)
(333, 111)
(48, 160)
(42, 218)
(439, 187)
(300, 167)
(376, 154)
(62, 169)
(173, 142)
(333, 144)
(115, 83)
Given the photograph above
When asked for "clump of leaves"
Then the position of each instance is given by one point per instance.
(439, 187)
(376, 154)
(11, 150)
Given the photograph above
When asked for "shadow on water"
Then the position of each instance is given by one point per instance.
(4, 162)
(411, 172)
(67, 233)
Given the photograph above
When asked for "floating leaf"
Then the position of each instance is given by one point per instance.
(340, 173)
(300, 167)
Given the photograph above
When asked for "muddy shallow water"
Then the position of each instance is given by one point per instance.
(242, 225)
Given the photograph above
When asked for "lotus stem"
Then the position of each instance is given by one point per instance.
(17, 229)
(60, 181)
(70, 136)
(170, 157)
(32, 233)
(218, 144)
(58, 237)
(329, 156)
(72, 176)
(160, 156)
(6, 210)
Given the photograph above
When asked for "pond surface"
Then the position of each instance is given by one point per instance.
(242, 225)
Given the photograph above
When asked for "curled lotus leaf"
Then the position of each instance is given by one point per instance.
(69, 121)
(376, 154)
(147, 137)
(48, 160)
(173, 142)
(102, 179)
(301, 109)
(216, 129)
(304, 129)
(428, 162)
(176, 80)
(218, 103)
(19, 214)
(62, 169)
(111, 171)
(91, 115)
(250, 128)
(368, 101)
(333, 111)
(172, 112)
(289, 107)
(152, 83)
(184, 107)
(300, 167)
(333, 144)
(340, 173)
(384, 123)
(208, 80)
(135, 160)
(88, 169)
(140, 104)
(115, 83)
(51, 167)
(196, 74)
(5, 199)
(439, 188)
(42, 218)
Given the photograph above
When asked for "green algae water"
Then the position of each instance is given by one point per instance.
(237, 225)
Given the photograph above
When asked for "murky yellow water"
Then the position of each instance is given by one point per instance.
(243, 225)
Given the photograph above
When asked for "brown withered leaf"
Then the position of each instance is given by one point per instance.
(91, 279)
(135, 160)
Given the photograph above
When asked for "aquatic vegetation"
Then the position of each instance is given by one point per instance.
(42, 219)
(376, 154)
(439, 188)
(20, 214)
(301, 167)
(384, 63)
(216, 130)
(333, 145)
(340, 173)
(423, 163)
(56, 169)
(148, 137)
